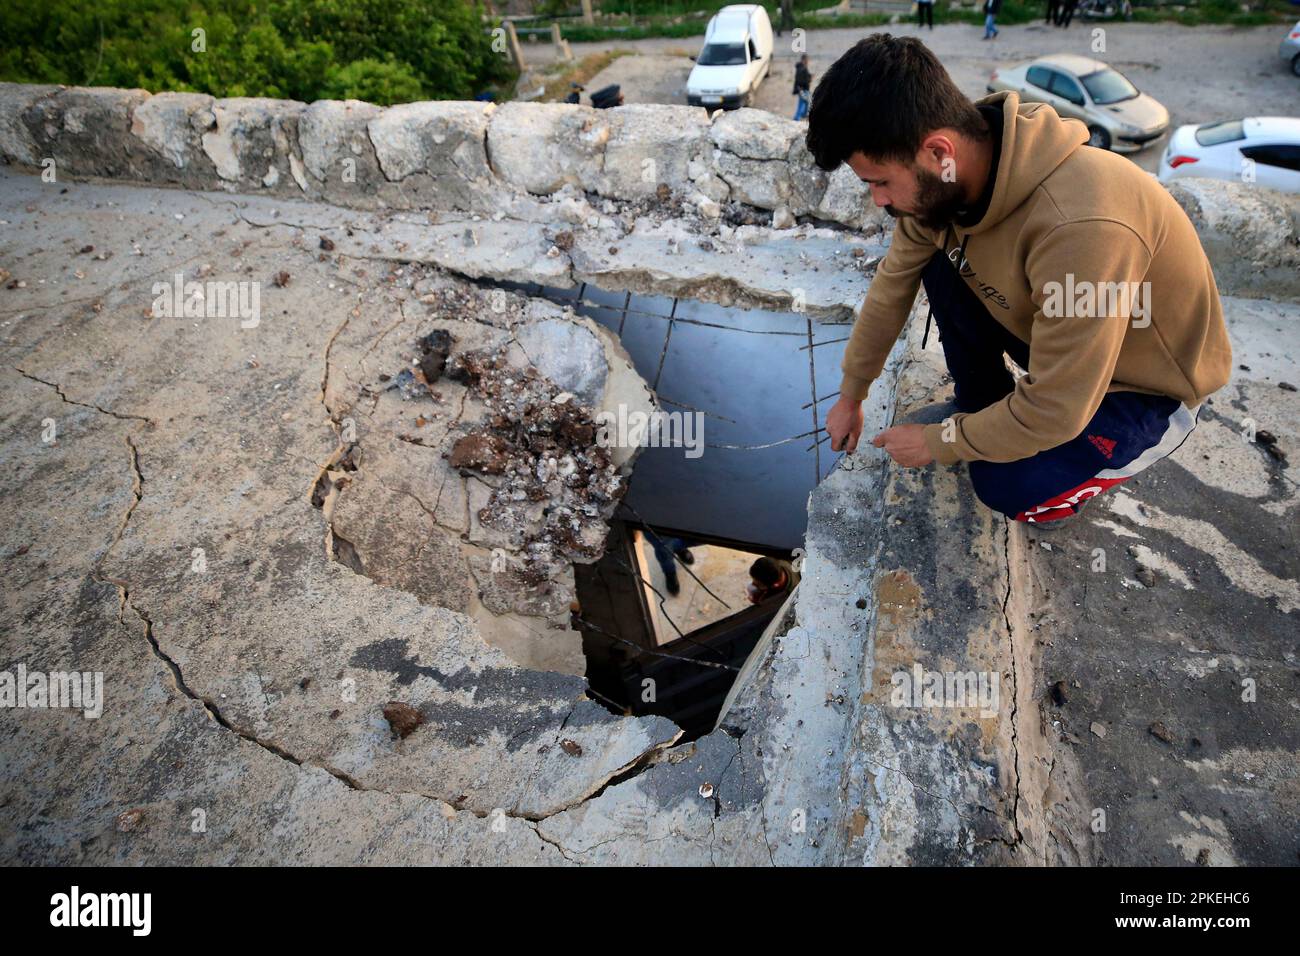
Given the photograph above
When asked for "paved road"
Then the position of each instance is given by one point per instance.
(1199, 73)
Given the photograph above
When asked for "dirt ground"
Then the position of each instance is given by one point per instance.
(1199, 73)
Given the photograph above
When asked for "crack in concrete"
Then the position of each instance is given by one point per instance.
(177, 676)
(122, 416)
(623, 773)
(762, 806)
(253, 224)
(325, 374)
(929, 793)
(563, 851)
(1015, 683)
(629, 771)
(401, 307)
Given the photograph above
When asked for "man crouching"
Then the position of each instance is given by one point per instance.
(1069, 259)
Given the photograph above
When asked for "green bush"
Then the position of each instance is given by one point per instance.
(383, 82)
(301, 49)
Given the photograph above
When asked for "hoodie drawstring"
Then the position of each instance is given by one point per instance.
(961, 257)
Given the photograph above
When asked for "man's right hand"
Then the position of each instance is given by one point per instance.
(844, 425)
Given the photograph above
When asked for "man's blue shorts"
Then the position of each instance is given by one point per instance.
(1129, 432)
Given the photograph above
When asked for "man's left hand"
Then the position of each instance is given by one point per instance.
(906, 445)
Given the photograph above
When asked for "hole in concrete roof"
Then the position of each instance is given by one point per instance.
(737, 492)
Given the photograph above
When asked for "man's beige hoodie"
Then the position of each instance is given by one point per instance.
(1063, 219)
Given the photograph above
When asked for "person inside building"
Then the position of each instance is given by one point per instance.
(668, 551)
(770, 577)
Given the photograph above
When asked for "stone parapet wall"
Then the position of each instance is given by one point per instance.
(464, 156)
(483, 159)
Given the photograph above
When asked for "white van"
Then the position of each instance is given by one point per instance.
(736, 57)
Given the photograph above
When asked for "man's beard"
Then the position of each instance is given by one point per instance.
(937, 202)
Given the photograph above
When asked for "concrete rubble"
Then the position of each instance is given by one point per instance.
(325, 564)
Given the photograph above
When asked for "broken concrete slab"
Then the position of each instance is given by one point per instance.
(222, 521)
(816, 272)
(193, 790)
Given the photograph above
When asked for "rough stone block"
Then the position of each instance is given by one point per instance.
(437, 152)
(653, 145)
(87, 132)
(16, 141)
(337, 152)
(172, 124)
(1251, 234)
(253, 143)
(539, 147)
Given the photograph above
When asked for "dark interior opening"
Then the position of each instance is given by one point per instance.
(753, 377)
(649, 654)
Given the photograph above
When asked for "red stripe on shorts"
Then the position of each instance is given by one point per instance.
(1066, 503)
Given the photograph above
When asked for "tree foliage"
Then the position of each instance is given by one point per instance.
(386, 51)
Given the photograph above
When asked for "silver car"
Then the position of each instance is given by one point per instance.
(1118, 117)
(1290, 49)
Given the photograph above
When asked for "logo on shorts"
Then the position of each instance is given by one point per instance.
(1104, 445)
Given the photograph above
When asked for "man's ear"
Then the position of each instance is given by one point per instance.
(936, 148)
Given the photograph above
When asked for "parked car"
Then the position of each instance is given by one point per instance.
(735, 58)
(1105, 9)
(1221, 150)
(1290, 49)
(1118, 117)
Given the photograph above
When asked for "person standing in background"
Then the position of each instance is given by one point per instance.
(1054, 12)
(802, 87)
(787, 17)
(1066, 13)
(991, 9)
(924, 13)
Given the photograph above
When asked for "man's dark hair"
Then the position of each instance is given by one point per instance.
(881, 99)
(765, 571)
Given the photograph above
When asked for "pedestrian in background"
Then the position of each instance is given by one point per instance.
(991, 9)
(924, 13)
(1067, 13)
(1054, 12)
(802, 87)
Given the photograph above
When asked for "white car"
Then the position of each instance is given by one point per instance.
(1117, 115)
(1290, 48)
(1264, 150)
(736, 57)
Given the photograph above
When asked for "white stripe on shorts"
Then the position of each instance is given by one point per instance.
(1181, 423)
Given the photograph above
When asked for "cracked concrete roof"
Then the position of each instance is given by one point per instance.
(252, 689)
(254, 535)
